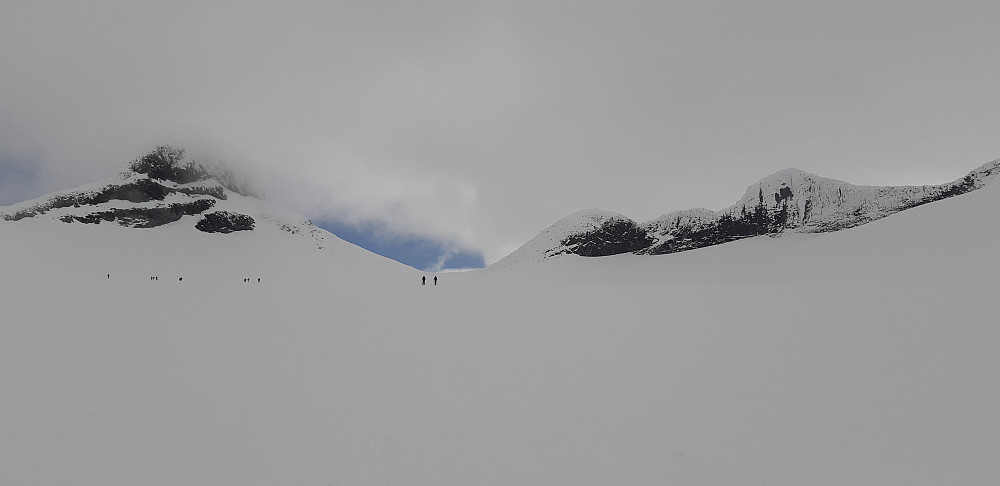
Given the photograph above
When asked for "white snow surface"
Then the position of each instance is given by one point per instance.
(818, 203)
(864, 356)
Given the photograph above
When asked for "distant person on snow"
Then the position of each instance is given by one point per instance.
(435, 280)
(423, 280)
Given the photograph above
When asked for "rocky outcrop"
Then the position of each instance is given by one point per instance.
(156, 189)
(611, 237)
(788, 200)
(168, 163)
(161, 190)
(138, 191)
(591, 232)
(794, 200)
(144, 217)
(224, 222)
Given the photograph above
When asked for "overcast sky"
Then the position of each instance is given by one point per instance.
(477, 124)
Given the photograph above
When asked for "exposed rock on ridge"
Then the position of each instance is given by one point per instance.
(788, 200)
(156, 189)
(225, 222)
(172, 164)
(144, 217)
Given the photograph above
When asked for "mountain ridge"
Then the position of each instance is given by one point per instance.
(789, 200)
(162, 187)
(168, 185)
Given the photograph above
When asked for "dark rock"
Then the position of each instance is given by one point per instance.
(19, 215)
(217, 192)
(225, 222)
(611, 238)
(165, 163)
(782, 194)
(140, 191)
(145, 217)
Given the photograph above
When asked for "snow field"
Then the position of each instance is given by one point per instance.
(867, 356)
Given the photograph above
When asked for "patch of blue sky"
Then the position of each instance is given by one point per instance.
(419, 252)
(18, 180)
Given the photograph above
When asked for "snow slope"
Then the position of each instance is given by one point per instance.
(865, 356)
(788, 201)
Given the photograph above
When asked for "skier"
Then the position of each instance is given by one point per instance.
(435, 280)
(423, 280)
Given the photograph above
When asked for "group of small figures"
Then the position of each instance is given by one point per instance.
(156, 278)
(423, 280)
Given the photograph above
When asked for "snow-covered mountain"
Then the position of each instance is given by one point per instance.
(161, 188)
(172, 203)
(168, 355)
(789, 200)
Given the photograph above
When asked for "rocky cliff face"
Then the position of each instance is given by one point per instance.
(157, 189)
(592, 232)
(788, 200)
(794, 200)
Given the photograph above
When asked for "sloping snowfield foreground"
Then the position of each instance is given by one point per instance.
(867, 356)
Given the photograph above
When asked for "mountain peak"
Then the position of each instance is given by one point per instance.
(171, 164)
(164, 187)
(789, 173)
(788, 200)
(174, 164)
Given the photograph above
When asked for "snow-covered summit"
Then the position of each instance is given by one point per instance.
(151, 356)
(810, 203)
(166, 186)
(168, 213)
(790, 200)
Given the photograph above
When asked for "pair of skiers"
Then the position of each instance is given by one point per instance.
(423, 280)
